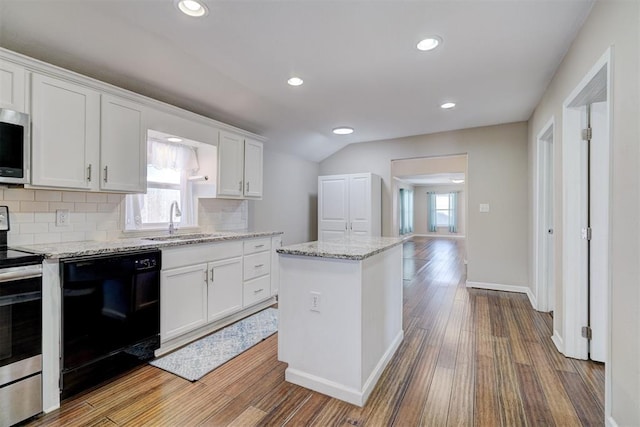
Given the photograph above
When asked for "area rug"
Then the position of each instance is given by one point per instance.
(201, 357)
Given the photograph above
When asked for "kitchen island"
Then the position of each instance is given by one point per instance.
(340, 313)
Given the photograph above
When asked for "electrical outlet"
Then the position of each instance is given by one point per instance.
(62, 217)
(315, 301)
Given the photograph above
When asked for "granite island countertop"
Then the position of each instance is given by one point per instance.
(350, 248)
(87, 248)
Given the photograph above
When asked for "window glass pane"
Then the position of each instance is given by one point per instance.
(442, 201)
(156, 205)
(165, 176)
(442, 218)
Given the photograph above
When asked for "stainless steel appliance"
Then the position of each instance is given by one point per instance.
(20, 331)
(110, 316)
(14, 147)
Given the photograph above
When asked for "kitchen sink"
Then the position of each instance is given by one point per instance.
(182, 237)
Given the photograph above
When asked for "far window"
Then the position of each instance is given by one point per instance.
(443, 210)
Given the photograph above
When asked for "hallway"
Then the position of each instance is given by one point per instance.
(469, 357)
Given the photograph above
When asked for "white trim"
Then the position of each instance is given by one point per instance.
(338, 390)
(540, 255)
(558, 341)
(610, 422)
(449, 236)
(574, 248)
(504, 288)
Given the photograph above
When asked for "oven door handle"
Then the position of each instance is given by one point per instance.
(20, 273)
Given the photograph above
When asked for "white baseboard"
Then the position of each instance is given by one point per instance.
(338, 390)
(558, 341)
(532, 299)
(449, 236)
(610, 422)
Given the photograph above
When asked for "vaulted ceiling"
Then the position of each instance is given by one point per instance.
(358, 60)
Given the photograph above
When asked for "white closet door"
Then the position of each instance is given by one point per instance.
(360, 205)
(333, 206)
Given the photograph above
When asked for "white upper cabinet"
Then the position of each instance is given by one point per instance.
(252, 169)
(12, 86)
(239, 167)
(65, 134)
(123, 154)
(349, 205)
(230, 165)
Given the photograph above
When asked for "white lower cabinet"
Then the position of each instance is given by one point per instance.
(224, 290)
(203, 285)
(183, 301)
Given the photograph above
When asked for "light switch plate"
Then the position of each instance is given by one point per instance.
(484, 207)
(4, 218)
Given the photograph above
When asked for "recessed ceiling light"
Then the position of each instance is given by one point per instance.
(429, 43)
(295, 81)
(457, 181)
(174, 139)
(192, 8)
(343, 130)
(448, 105)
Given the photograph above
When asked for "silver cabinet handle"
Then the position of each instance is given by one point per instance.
(257, 291)
(247, 186)
(351, 226)
(212, 275)
(89, 173)
(345, 226)
(258, 246)
(106, 173)
(206, 277)
(240, 186)
(258, 265)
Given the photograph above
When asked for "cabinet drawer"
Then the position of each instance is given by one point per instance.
(257, 245)
(256, 265)
(256, 290)
(195, 254)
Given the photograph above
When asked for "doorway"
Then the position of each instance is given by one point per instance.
(545, 239)
(586, 225)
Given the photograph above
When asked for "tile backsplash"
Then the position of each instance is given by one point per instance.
(96, 216)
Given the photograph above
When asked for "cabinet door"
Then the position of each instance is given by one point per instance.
(225, 288)
(230, 165)
(183, 300)
(360, 205)
(66, 134)
(12, 88)
(276, 242)
(123, 146)
(333, 206)
(252, 169)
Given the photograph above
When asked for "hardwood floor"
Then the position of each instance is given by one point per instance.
(469, 357)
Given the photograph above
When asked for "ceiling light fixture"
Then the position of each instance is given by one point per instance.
(448, 105)
(192, 8)
(174, 139)
(295, 81)
(343, 130)
(429, 43)
(457, 181)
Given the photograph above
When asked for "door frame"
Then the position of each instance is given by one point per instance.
(544, 143)
(574, 247)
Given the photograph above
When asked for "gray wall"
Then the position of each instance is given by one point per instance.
(611, 23)
(497, 242)
(290, 199)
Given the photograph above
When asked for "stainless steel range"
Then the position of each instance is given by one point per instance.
(20, 331)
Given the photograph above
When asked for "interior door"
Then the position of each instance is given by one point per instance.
(333, 206)
(599, 223)
(549, 226)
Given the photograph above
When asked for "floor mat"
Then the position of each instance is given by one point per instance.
(201, 357)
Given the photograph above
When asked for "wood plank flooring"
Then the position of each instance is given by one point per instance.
(469, 357)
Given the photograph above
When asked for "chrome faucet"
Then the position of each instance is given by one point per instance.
(172, 227)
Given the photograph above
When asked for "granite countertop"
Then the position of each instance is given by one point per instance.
(351, 248)
(85, 248)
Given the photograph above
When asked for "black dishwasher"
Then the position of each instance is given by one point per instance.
(110, 316)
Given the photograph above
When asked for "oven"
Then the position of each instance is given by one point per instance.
(20, 341)
(110, 316)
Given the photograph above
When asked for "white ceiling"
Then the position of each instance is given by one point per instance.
(357, 58)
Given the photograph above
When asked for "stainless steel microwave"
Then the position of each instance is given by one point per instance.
(14, 147)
